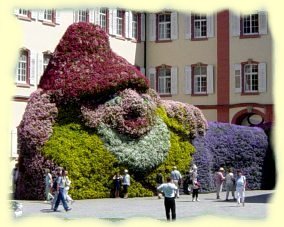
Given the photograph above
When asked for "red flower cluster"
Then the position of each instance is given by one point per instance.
(83, 64)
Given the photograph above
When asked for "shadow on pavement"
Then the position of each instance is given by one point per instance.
(46, 211)
(264, 198)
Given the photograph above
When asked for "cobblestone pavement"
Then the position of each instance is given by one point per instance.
(115, 209)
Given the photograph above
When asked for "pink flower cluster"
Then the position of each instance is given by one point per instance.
(190, 116)
(83, 64)
(129, 113)
(36, 125)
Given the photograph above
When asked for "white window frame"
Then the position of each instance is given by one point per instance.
(198, 80)
(46, 59)
(164, 27)
(48, 13)
(22, 68)
(197, 32)
(119, 23)
(103, 18)
(250, 78)
(23, 12)
(135, 26)
(82, 15)
(164, 80)
(251, 20)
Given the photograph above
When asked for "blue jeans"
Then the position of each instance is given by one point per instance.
(61, 197)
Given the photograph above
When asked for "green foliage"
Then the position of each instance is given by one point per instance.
(172, 123)
(180, 152)
(89, 164)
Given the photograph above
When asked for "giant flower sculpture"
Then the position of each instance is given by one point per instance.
(95, 114)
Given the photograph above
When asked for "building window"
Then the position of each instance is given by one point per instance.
(103, 18)
(134, 22)
(46, 58)
(164, 26)
(250, 78)
(22, 68)
(82, 16)
(24, 13)
(120, 22)
(48, 15)
(200, 79)
(164, 80)
(250, 24)
(199, 22)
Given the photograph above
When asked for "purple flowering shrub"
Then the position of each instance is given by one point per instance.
(34, 130)
(84, 65)
(229, 145)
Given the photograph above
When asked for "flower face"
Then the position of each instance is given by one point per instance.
(129, 113)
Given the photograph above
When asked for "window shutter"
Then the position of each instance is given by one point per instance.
(114, 21)
(57, 16)
(262, 77)
(41, 15)
(39, 66)
(142, 70)
(174, 26)
(14, 143)
(187, 29)
(97, 16)
(33, 69)
(33, 14)
(130, 25)
(91, 16)
(235, 24)
(262, 22)
(174, 85)
(152, 77)
(238, 78)
(187, 79)
(210, 79)
(152, 27)
(16, 11)
(142, 23)
(210, 26)
(110, 24)
(127, 24)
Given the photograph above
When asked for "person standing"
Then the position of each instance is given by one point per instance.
(61, 197)
(48, 184)
(117, 182)
(195, 189)
(230, 184)
(176, 177)
(193, 175)
(159, 181)
(240, 187)
(169, 189)
(126, 183)
(67, 186)
(219, 180)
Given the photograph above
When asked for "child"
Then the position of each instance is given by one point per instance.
(240, 187)
(195, 189)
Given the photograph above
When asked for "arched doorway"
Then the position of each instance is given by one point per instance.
(255, 118)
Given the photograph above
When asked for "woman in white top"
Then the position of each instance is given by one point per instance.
(240, 187)
(48, 185)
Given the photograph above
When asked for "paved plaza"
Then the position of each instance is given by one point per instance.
(115, 209)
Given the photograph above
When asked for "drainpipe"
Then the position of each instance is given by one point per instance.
(145, 49)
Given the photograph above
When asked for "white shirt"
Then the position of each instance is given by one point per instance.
(126, 180)
(168, 189)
